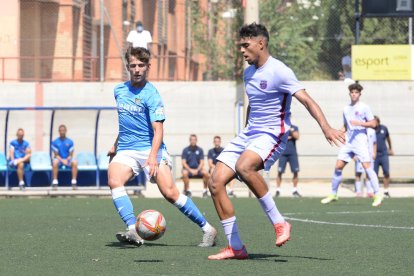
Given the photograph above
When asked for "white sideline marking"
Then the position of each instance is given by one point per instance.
(351, 224)
(342, 213)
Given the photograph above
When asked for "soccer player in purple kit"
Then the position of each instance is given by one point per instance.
(357, 118)
(270, 85)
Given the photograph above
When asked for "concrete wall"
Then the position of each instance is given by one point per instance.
(208, 109)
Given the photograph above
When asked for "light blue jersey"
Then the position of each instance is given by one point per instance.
(138, 108)
(19, 148)
(63, 147)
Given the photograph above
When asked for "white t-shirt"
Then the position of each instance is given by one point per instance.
(270, 89)
(139, 39)
(358, 112)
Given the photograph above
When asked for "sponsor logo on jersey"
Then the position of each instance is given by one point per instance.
(263, 84)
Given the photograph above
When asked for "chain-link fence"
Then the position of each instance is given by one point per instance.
(312, 36)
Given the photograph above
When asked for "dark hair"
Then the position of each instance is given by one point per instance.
(217, 137)
(254, 30)
(355, 86)
(139, 53)
(377, 118)
(62, 126)
(193, 135)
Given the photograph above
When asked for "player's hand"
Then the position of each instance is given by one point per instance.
(111, 153)
(390, 152)
(356, 123)
(152, 166)
(334, 136)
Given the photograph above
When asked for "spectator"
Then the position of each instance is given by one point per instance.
(19, 154)
(383, 152)
(289, 155)
(193, 166)
(63, 149)
(212, 160)
(347, 64)
(140, 37)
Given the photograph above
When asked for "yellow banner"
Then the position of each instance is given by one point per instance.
(381, 62)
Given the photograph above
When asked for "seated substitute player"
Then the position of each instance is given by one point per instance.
(192, 160)
(63, 149)
(289, 155)
(212, 161)
(270, 85)
(140, 147)
(383, 153)
(359, 169)
(357, 118)
(19, 154)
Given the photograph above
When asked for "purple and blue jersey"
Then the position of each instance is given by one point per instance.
(63, 147)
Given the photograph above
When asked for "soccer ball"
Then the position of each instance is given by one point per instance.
(151, 225)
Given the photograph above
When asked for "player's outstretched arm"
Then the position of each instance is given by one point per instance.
(152, 162)
(333, 136)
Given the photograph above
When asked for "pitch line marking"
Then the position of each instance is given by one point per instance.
(343, 213)
(352, 224)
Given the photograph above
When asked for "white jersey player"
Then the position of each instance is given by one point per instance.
(357, 118)
(270, 85)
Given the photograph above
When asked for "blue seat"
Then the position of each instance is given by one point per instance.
(103, 161)
(86, 161)
(40, 161)
(3, 162)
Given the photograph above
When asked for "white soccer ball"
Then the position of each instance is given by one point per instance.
(151, 225)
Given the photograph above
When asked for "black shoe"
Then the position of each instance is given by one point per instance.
(296, 194)
(277, 194)
(387, 195)
(188, 193)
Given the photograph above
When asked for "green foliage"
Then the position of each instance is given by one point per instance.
(310, 36)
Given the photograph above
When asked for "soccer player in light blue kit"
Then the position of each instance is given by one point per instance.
(270, 85)
(357, 118)
(19, 154)
(140, 147)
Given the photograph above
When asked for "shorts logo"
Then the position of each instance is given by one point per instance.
(263, 84)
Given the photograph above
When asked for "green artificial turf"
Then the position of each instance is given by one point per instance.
(67, 236)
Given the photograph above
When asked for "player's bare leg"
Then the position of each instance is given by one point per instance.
(336, 181)
(295, 181)
(186, 181)
(118, 176)
(74, 166)
(247, 168)
(373, 178)
(55, 169)
(206, 177)
(278, 183)
(166, 185)
(20, 174)
(220, 177)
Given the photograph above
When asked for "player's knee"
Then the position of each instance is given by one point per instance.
(114, 182)
(55, 163)
(214, 184)
(185, 173)
(74, 163)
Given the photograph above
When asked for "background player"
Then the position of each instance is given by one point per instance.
(140, 147)
(270, 85)
(357, 117)
(212, 161)
(192, 160)
(359, 169)
(63, 149)
(382, 159)
(19, 154)
(290, 155)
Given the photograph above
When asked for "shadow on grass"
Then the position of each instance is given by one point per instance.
(148, 261)
(121, 245)
(275, 258)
